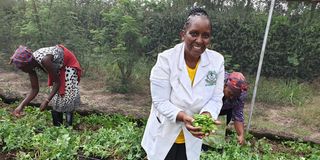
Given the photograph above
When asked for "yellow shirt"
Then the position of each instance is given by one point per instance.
(192, 74)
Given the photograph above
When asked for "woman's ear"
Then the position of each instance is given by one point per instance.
(225, 89)
(182, 33)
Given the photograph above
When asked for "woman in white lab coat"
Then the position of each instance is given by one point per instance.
(186, 80)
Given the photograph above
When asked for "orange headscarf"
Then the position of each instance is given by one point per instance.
(236, 81)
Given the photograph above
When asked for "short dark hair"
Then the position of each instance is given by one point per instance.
(196, 11)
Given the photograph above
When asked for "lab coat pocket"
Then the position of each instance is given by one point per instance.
(155, 126)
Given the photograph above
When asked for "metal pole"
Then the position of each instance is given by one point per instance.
(260, 62)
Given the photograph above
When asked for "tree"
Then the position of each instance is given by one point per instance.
(123, 31)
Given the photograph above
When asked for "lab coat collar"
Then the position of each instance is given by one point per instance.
(183, 75)
(202, 71)
(200, 74)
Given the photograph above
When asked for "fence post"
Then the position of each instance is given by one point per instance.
(260, 62)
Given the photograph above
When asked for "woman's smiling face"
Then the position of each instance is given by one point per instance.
(197, 35)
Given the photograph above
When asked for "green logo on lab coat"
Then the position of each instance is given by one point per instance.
(211, 78)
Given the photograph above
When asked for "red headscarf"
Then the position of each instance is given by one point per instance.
(236, 81)
(21, 56)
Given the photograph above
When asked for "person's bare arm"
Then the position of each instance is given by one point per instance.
(239, 127)
(49, 67)
(31, 95)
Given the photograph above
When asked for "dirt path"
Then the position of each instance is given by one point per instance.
(94, 98)
(282, 121)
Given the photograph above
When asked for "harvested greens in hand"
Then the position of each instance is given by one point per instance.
(205, 122)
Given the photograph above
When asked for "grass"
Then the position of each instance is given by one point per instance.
(4, 59)
(308, 114)
(270, 90)
(294, 129)
(287, 106)
(281, 91)
(100, 69)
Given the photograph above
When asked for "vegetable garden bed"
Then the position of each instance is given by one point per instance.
(99, 136)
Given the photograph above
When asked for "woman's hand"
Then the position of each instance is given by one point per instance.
(240, 139)
(17, 112)
(43, 105)
(195, 131)
(239, 126)
(217, 122)
(206, 113)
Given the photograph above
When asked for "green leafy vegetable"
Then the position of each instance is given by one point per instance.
(205, 122)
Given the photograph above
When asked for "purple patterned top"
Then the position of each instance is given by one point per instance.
(237, 104)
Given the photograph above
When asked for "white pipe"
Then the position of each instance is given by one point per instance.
(260, 62)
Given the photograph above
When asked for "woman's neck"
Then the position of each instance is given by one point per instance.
(190, 60)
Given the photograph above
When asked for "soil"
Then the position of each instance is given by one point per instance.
(14, 85)
(7, 156)
(94, 97)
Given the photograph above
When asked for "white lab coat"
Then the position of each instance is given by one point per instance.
(172, 92)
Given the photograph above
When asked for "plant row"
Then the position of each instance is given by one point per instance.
(118, 137)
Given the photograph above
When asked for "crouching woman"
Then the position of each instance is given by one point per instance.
(64, 73)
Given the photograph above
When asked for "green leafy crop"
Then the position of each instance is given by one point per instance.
(205, 122)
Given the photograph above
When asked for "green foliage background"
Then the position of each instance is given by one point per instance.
(113, 38)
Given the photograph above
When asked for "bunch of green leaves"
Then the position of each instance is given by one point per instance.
(205, 122)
